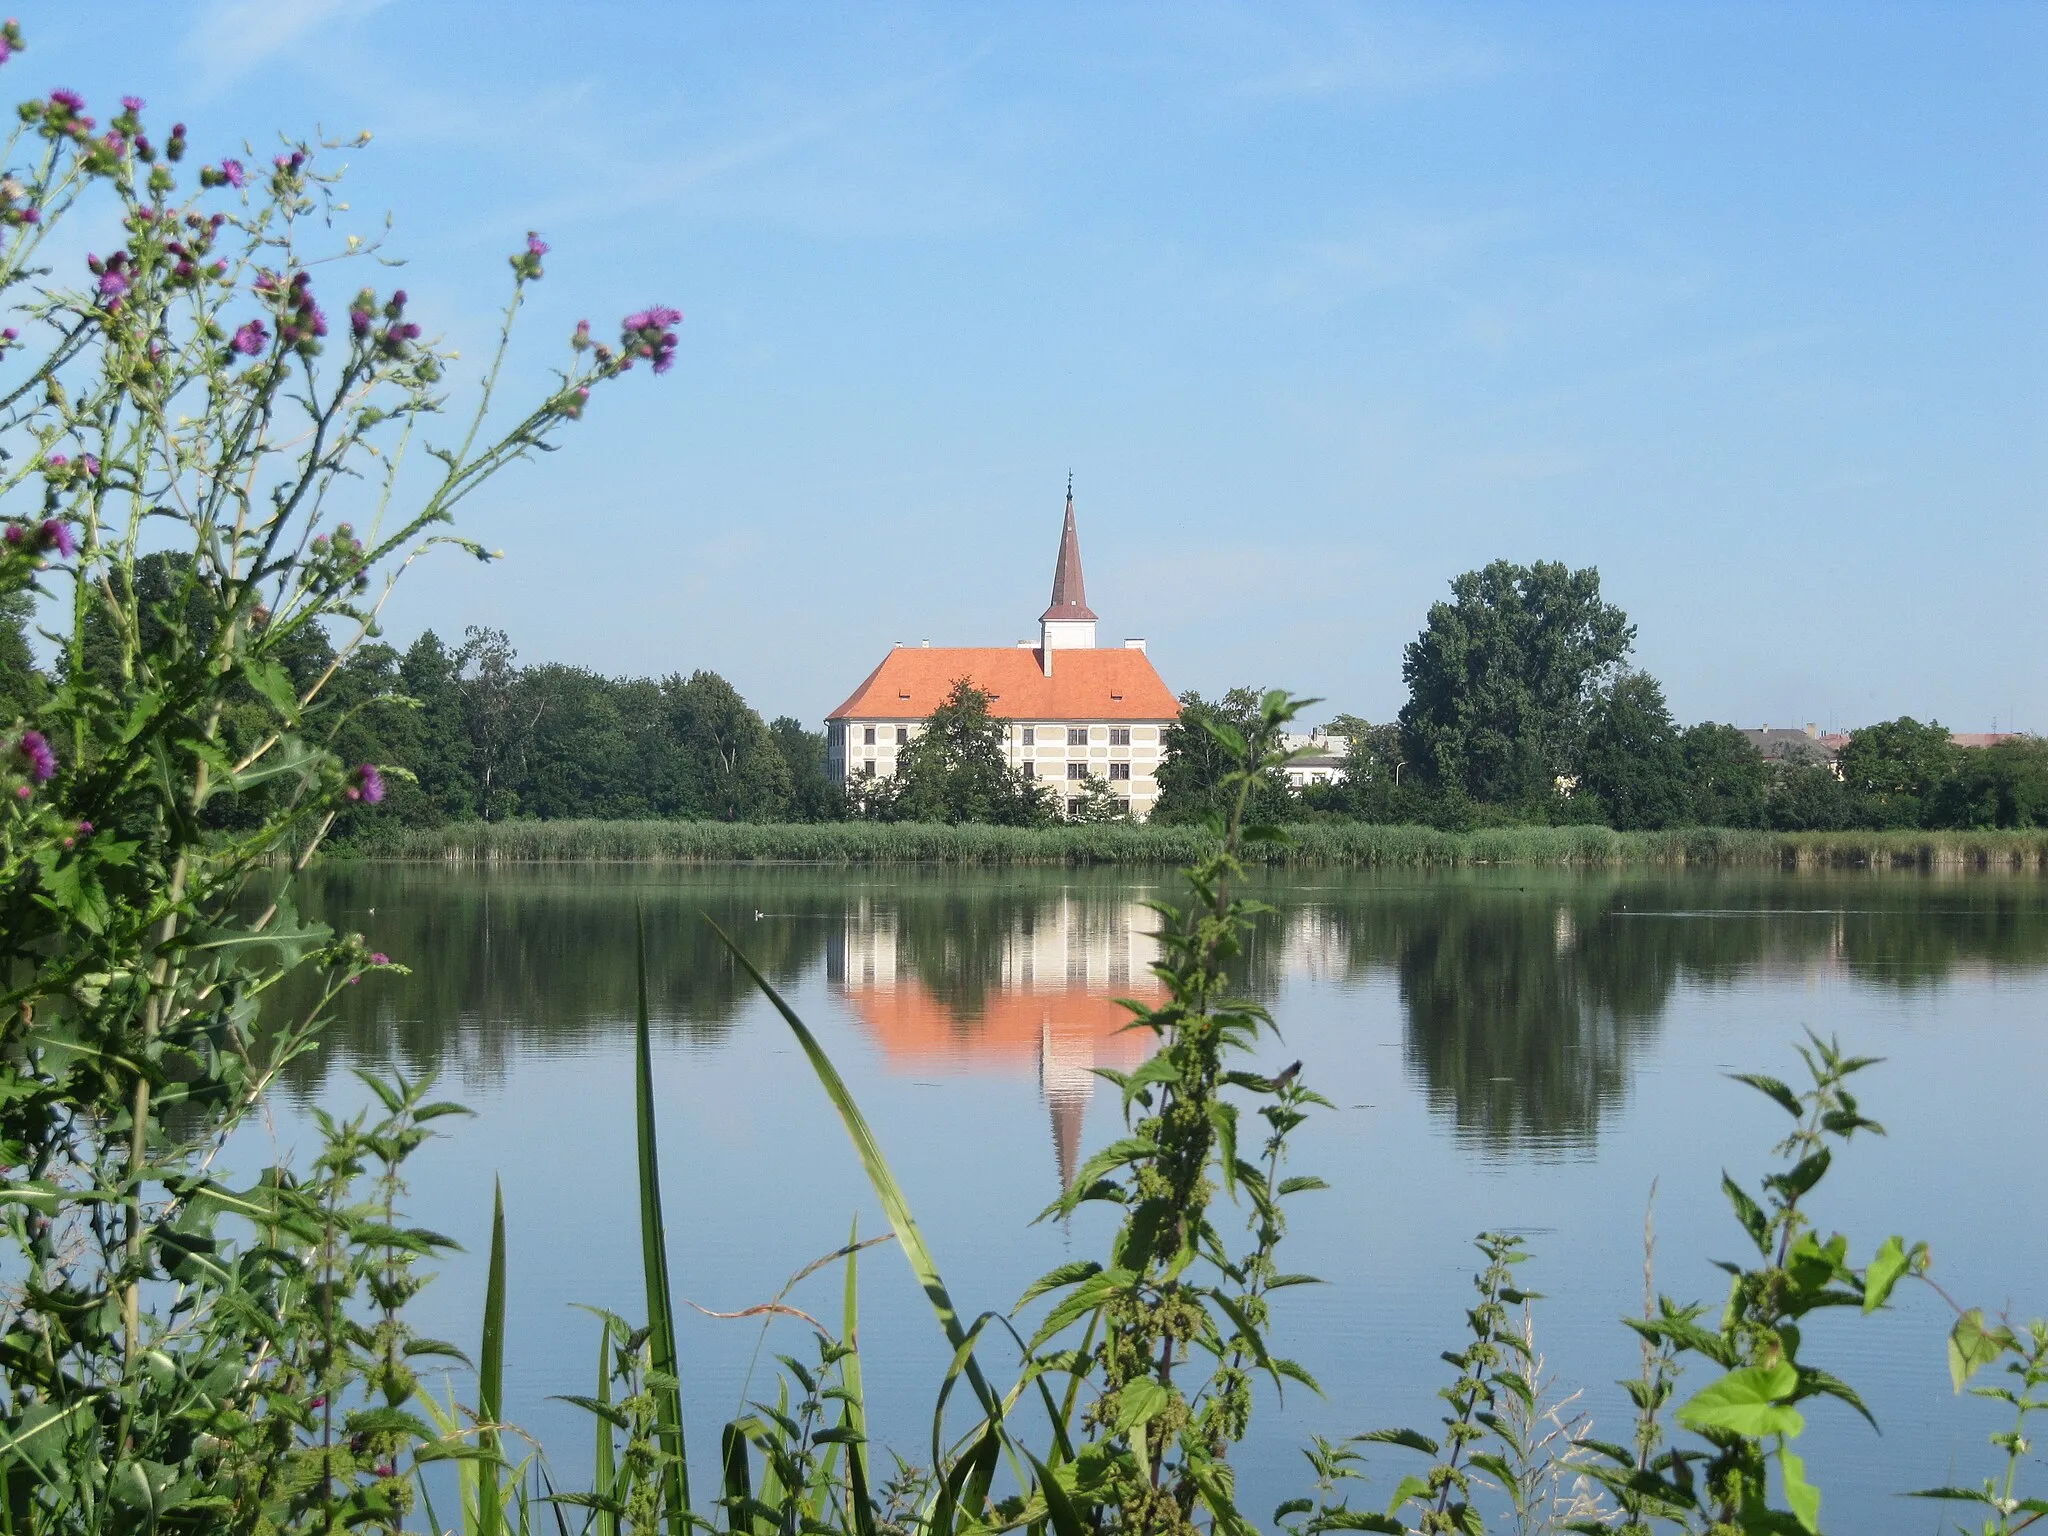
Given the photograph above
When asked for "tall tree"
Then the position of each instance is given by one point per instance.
(730, 767)
(1896, 768)
(436, 742)
(20, 683)
(1632, 760)
(1503, 676)
(1999, 786)
(1728, 779)
(575, 757)
(494, 714)
(813, 796)
(957, 769)
(1194, 762)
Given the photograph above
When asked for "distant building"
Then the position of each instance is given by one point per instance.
(1073, 711)
(1322, 760)
(1812, 745)
(1780, 745)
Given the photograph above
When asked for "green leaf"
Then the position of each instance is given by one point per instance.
(1884, 1273)
(1972, 1346)
(1771, 1088)
(1415, 1440)
(490, 1372)
(1140, 1401)
(661, 1324)
(1748, 1402)
(1801, 1495)
(1749, 1213)
(270, 679)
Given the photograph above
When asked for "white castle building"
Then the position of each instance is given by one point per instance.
(1075, 710)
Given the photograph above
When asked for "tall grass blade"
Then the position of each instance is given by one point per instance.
(605, 1471)
(854, 1417)
(887, 1190)
(490, 1374)
(661, 1323)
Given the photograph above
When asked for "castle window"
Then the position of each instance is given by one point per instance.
(1119, 770)
(1077, 770)
(1031, 770)
(1030, 735)
(1073, 807)
(1119, 735)
(1077, 735)
(902, 735)
(868, 735)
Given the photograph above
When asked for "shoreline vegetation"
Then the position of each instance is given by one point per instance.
(1325, 843)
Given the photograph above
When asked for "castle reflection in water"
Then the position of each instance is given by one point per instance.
(1049, 1002)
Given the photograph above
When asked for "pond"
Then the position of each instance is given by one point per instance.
(1520, 1050)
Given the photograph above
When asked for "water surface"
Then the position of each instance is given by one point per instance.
(1506, 1049)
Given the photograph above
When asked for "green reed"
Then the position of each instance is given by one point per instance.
(1338, 844)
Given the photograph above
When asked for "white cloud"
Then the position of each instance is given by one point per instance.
(232, 37)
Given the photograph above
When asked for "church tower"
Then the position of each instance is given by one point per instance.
(1069, 623)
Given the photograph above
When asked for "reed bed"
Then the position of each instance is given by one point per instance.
(1323, 843)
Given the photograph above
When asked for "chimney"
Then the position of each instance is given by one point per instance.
(1134, 645)
(926, 644)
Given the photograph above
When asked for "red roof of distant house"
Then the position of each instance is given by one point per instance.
(912, 681)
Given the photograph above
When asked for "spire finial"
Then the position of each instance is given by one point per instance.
(1070, 485)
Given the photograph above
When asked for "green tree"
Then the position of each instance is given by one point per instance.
(1196, 762)
(20, 683)
(1897, 767)
(956, 769)
(575, 757)
(493, 714)
(730, 768)
(1808, 797)
(1632, 758)
(813, 796)
(1097, 802)
(1503, 677)
(1727, 778)
(435, 742)
(1999, 786)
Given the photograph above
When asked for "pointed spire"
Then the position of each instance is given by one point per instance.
(1069, 597)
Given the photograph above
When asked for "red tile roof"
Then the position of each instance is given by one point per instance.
(912, 681)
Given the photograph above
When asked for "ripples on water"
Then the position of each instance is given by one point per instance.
(1512, 1049)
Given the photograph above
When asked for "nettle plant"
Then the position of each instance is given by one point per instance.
(207, 496)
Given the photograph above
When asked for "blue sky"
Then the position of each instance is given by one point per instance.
(1744, 304)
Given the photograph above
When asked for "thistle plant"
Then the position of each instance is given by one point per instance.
(207, 491)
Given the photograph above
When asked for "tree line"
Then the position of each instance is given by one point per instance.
(1522, 707)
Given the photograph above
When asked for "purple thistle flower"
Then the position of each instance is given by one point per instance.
(34, 747)
(251, 338)
(31, 215)
(233, 171)
(113, 284)
(14, 534)
(85, 829)
(70, 101)
(57, 535)
(133, 103)
(359, 322)
(315, 318)
(378, 957)
(535, 246)
(369, 786)
(90, 465)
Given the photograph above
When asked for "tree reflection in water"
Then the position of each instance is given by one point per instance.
(1526, 995)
